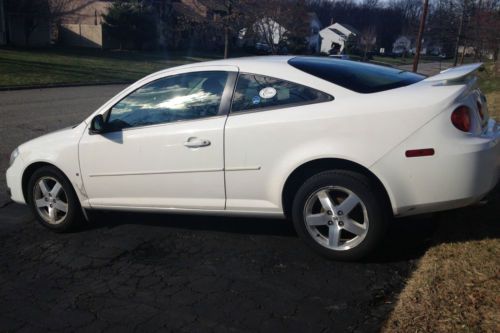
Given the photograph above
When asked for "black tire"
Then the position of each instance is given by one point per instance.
(73, 217)
(375, 212)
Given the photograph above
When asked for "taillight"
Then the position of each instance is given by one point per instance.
(460, 118)
(480, 110)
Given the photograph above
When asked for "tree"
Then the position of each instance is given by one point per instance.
(442, 25)
(280, 24)
(367, 39)
(485, 28)
(228, 17)
(131, 24)
(34, 13)
(351, 44)
(31, 12)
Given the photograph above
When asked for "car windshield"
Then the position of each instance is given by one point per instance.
(356, 76)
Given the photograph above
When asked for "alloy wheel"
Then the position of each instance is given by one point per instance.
(336, 218)
(50, 200)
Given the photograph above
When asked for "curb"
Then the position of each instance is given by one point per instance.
(63, 85)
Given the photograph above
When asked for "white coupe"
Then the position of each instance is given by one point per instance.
(339, 147)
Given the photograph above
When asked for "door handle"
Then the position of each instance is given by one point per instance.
(194, 142)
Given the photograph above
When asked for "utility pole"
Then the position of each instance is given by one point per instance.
(420, 34)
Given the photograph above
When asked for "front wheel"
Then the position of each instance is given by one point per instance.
(339, 214)
(53, 200)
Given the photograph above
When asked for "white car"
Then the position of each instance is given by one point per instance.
(337, 146)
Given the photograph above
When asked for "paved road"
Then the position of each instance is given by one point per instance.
(26, 114)
(131, 272)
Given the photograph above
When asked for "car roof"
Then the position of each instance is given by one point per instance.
(274, 66)
(244, 63)
(252, 60)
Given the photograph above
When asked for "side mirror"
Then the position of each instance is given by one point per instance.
(97, 124)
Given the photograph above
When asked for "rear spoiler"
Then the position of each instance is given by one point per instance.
(455, 75)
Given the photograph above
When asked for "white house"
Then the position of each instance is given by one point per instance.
(406, 44)
(266, 31)
(334, 37)
(401, 45)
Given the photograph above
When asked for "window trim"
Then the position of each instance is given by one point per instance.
(224, 106)
(274, 107)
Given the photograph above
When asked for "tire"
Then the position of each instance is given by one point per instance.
(56, 207)
(339, 215)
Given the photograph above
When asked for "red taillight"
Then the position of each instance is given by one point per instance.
(460, 118)
(480, 110)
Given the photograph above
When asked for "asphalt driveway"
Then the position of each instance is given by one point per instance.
(133, 272)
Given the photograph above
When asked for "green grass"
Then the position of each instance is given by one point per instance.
(489, 81)
(40, 67)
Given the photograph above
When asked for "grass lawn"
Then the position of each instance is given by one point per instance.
(456, 285)
(40, 67)
(489, 81)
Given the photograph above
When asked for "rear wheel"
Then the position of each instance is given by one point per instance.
(339, 214)
(53, 200)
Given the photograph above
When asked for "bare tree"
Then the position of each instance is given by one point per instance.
(226, 16)
(485, 28)
(367, 39)
(30, 12)
(34, 13)
(279, 23)
(370, 3)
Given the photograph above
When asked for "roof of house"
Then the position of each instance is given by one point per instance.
(332, 29)
(350, 28)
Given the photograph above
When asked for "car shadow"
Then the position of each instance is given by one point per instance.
(194, 222)
(406, 239)
(413, 236)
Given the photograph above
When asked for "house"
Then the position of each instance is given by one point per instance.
(80, 22)
(407, 45)
(40, 23)
(401, 45)
(334, 37)
(267, 31)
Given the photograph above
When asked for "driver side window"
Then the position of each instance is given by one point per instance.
(174, 98)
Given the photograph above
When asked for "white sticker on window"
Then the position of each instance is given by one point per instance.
(268, 92)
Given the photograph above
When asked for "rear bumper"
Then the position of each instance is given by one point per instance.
(463, 170)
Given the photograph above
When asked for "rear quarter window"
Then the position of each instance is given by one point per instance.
(258, 92)
(356, 76)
